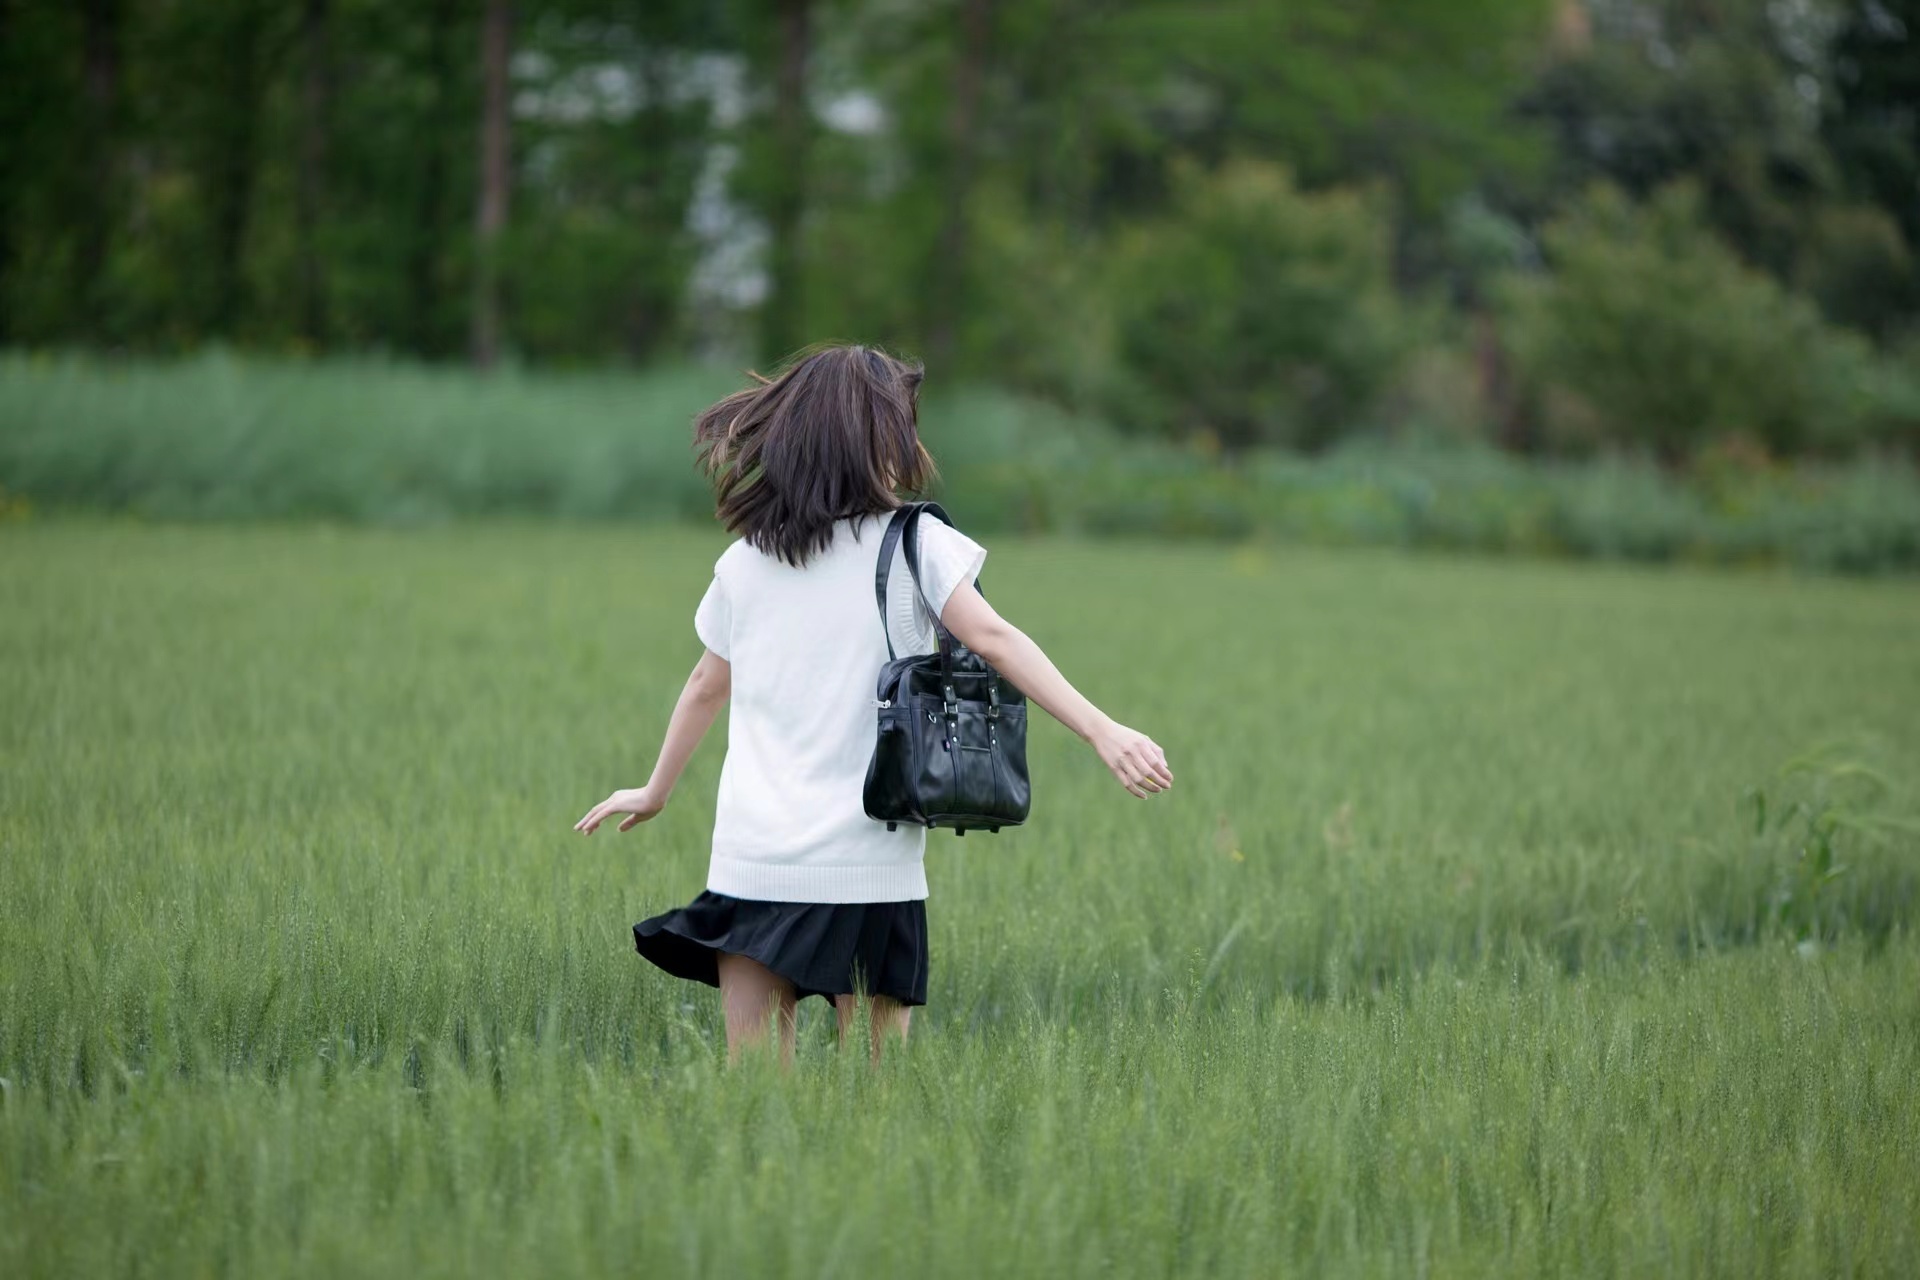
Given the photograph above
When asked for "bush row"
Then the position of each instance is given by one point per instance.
(1863, 517)
(222, 438)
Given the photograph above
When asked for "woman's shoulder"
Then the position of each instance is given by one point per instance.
(736, 552)
(941, 538)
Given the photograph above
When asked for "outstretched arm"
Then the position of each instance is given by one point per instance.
(1135, 759)
(706, 691)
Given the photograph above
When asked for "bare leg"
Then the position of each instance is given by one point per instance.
(750, 995)
(890, 1017)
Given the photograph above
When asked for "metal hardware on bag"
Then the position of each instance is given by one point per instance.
(883, 703)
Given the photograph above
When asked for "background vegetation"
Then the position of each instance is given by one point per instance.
(1506, 918)
(1562, 226)
(402, 445)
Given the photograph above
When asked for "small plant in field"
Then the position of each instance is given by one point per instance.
(1819, 804)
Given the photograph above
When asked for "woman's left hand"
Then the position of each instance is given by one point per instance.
(638, 803)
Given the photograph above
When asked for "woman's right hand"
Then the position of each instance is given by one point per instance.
(637, 803)
(1134, 758)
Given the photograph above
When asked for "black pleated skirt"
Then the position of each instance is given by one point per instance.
(822, 948)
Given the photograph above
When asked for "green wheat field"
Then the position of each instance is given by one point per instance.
(1506, 918)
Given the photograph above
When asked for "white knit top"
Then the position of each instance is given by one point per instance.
(806, 647)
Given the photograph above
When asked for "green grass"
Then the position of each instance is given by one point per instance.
(1475, 937)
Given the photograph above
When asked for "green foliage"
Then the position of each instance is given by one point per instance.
(600, 254)
(1649, 332)
(1889, 399)
(1724, 96)
(1871, 129)
(218, 438)
(1858, 267)
(1819, 806)
(224, 438)
(1413, 95)
(1451, 949)
(1050, 331)
(1861, 518)
(1081, 202)
(1259, 313)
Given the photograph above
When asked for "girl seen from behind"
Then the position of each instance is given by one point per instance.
(807, 895)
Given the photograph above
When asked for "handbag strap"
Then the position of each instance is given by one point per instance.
(906, 524)
(883, 568)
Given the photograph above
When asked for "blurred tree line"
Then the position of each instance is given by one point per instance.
(1565, 224)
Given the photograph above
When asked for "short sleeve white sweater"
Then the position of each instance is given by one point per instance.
(806, 647)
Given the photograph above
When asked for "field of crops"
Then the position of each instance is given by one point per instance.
(1507, 917)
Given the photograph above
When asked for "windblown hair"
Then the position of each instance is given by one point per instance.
(834, 434)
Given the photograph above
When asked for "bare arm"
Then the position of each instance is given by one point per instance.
(706, 692)
(1134, 758)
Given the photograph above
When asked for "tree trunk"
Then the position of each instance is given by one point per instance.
(235, 162)
(101, 23)
(947, 282)
(316, 22)
(658, 140)
(784, 312)
(427, 235)
(1498, 401)
(12, 118)
(496, 39)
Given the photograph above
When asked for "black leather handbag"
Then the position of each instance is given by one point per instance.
(952, 743)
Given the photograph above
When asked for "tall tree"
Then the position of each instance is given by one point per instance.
(945, 300)
(667, 145)
(316, 101)
(1718, 93)
(239, 65)
(784, 313)
(101, 21)
(1873, 128)
(496, 178)
(12, 122)
(425, 216)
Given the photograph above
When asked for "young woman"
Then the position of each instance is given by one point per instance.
(805, 894)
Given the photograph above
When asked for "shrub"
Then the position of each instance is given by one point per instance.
(1258, 313)
(1049, 328)
(1649, 332)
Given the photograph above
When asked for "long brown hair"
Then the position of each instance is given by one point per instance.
(836, 433)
